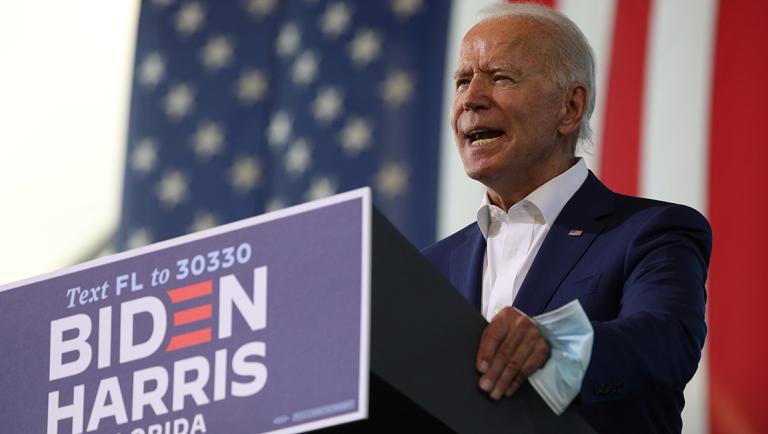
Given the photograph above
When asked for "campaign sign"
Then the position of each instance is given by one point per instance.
(259, 326)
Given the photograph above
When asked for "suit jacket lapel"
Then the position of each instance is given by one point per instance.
(469, 279)
(560, 251)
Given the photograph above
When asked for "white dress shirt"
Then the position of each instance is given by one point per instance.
(513, 238)
(512, 241)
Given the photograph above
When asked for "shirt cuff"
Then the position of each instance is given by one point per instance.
(569, 333)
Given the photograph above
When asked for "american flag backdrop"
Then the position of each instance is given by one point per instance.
(245, 106)
(242, 107)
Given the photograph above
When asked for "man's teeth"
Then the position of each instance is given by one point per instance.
(484, 141)
(481, 137)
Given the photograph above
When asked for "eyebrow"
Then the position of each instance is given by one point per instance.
(459, 72)
(495, 67)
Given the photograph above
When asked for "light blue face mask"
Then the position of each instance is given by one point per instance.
(570, 335)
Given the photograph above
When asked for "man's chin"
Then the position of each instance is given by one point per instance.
(482, 175)
(482, 167)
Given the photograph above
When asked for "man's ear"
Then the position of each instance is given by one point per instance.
(575, 108)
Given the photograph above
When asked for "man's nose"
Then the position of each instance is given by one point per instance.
(476, 96)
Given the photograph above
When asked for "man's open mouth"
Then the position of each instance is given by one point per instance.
(483, 136)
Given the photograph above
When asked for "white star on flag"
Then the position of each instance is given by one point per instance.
(144, 156)
(173, 188)
(305, 68)
(260, 8)
(335, 20)
(251, 86)
(138, 238)
(365, 47)
(288, 40)
(404, 9)
(397, 88)
(391, 180)
(321, 187)
(203, 220)
(179, 101)
(152, 69)
(327, 104)
(209, 139)
(275, 204)
(217, 53)
(298, 158)
(355, 137)
(280, 128)
(245, 174)
(189, 18)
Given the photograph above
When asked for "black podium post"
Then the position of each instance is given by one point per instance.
(424, 337)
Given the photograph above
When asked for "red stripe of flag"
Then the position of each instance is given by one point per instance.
(620, 148)
(190, 339)
(192, 291)
(738, 206)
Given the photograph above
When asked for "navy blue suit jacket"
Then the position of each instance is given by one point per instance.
(638, 269)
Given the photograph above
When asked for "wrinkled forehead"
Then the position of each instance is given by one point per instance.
(518, 39)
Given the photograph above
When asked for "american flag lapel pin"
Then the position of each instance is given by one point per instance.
(575, 233)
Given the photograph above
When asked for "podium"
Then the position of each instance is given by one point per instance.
(318, 317)
(424, 339)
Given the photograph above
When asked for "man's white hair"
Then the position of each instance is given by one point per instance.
(573, 61)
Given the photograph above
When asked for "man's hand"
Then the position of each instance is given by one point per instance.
(511, 349)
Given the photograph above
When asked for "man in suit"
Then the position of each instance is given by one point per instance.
(549, 232)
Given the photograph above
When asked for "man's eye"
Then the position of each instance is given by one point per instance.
(503, 78)
(462, 83)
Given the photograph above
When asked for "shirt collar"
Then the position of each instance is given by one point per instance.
(550, 198)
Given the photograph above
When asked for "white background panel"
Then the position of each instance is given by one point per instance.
(675, 142)
(595, 19)
(65, 86)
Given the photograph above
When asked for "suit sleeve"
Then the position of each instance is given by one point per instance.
(656, 340)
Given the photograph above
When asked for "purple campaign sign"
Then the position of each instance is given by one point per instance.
(259, 326)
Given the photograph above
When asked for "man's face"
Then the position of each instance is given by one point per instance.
(506, 109)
